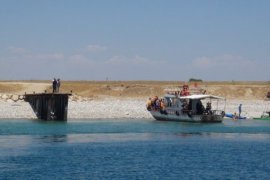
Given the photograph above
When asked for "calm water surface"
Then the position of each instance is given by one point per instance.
(134, 149)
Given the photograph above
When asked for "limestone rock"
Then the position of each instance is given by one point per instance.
(5, 96)
(15, 97)
(10, 101)
(21, 97)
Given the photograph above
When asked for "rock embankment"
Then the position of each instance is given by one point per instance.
(20, 98)
(11, 97)
(14, 106)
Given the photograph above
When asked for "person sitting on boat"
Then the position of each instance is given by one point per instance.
(157, 104)
(199, 107)
(235, 116)
(153, 101)
(162, 104)
(149, 104)
(169, 102)
(184, 106)
(185, 91)
(208, 108)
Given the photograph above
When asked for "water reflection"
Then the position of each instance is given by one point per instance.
(49, 121)
(186, 135)
(53, 138)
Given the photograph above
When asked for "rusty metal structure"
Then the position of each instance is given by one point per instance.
(49, 106)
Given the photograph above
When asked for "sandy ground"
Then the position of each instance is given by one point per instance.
(24, 87)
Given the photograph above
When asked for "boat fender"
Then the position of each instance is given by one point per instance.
(165, 112)
(177, 113)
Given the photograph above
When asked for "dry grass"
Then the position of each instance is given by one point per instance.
(124, 89)
(144, 89)
(11, 88)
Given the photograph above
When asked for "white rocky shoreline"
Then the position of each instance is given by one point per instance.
(13, 106)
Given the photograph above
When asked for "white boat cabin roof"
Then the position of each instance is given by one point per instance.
(195, 96)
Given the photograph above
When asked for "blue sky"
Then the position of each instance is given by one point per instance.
(213, 40)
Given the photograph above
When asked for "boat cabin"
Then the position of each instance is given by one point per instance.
(193, 103)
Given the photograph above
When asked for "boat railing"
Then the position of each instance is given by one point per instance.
(218, 112)
(197, 91)
(192, 90)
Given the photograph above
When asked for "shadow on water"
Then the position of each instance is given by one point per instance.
(53, 138)
(49, 121)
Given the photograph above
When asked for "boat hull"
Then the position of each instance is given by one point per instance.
(186, 117)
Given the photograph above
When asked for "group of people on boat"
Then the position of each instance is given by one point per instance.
(203, 110)
(156, 103)
(159, 104)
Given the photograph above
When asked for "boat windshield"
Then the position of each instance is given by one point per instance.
(172, 101)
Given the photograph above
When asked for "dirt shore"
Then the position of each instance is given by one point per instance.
(139, 89)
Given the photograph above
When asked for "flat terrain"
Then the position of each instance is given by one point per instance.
(138, 89)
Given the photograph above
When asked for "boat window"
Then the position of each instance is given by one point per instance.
(178, 103)
(168, 102)
(173, 102)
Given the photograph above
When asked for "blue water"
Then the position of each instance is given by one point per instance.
(134, 149)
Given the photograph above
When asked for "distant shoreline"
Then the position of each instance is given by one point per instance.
(124, 99)
(116, 108)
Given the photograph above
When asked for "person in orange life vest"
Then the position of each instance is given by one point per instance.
(149, 104)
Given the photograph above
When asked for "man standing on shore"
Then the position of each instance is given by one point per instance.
(58, 85)
(54, 84)
(240, 109)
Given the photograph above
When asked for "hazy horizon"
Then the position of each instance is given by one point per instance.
(172, 81)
